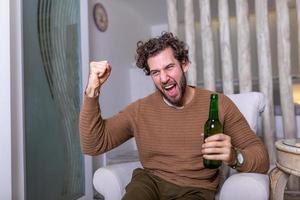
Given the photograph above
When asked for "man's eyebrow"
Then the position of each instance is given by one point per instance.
(171, 64)
(154, 70)
(168, 65)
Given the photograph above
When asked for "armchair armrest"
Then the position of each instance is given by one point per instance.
(111, 181)
(246, 186)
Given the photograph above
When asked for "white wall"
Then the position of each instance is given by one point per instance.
(117, 45)
(17, 129)
(5, 102)
(84, 35)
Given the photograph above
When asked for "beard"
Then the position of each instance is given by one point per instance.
(181, 86)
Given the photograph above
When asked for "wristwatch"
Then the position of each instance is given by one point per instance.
(239, 159)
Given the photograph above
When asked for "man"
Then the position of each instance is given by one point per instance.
(168, 127)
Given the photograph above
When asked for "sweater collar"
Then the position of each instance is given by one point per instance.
(171, 105)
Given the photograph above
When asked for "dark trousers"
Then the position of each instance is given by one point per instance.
(146, 186)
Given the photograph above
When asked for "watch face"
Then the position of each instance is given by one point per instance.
(100, 17)
(240, 158)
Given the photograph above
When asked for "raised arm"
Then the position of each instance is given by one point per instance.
(96, 134)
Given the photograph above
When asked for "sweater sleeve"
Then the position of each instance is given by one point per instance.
(256, 157)
(98, 135)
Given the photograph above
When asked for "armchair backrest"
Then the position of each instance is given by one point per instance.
(251, 105)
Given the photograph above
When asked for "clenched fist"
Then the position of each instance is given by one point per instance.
(99, 73)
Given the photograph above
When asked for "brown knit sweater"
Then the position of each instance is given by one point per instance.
(169, 140)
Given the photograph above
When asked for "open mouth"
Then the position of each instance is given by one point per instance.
(171, 89)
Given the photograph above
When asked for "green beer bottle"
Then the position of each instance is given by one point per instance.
(211, 127)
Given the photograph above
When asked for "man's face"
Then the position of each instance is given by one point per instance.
(168, 76)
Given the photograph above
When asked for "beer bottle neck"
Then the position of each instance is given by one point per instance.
(213, 111)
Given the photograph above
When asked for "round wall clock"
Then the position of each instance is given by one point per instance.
(100, 17)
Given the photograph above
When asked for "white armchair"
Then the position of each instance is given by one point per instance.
(110, 181)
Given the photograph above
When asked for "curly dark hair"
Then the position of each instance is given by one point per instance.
(153, 46)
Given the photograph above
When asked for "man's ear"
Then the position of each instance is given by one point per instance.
(185, 66)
